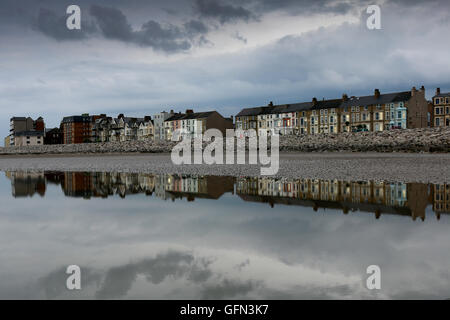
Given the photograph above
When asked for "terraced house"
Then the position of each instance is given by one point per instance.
(193, 124)
(377, 112)
(441, 109)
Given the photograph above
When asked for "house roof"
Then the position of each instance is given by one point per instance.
(194, 115)
(76, 119)
(442, 95)
(327, 104)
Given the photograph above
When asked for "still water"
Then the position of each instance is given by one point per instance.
(143, 236)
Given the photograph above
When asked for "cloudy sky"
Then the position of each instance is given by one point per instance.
(138, 57)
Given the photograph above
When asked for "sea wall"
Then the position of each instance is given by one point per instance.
(411, 140)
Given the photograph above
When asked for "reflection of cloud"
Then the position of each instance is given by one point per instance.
(118, 280)
(230, 289)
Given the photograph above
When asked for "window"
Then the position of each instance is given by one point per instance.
(366, 108)
(399, 115)
(436, 111)
(437, 122)
(377, 117)
(437, 101)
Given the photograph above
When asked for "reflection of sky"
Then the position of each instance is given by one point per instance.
(144, 247)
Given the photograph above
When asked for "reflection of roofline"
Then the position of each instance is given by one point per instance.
(328, 204)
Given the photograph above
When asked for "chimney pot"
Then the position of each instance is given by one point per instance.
(438, 91)
(377, 93)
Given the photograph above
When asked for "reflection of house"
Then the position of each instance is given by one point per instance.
(193, 187)
(376, 197)
(410, 199)
(25, 184)
(441, 198)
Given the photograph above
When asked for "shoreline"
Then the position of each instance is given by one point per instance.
(392, 167)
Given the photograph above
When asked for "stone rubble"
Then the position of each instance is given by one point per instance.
(409, 140)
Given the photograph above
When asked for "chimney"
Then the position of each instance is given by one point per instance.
(314, 101)
(147, 118)
(270, 104)
(188, 111)
(377, 93)
(413, 91)
(438, 91)
(344, 97)
(120, 116)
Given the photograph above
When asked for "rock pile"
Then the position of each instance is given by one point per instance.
(410, 140)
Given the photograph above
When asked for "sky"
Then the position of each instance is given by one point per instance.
(140, 57)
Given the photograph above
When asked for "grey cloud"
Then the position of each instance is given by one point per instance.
(195, 27)
(119, 280)
(223, 12)
(230, 289)
(239, 37)
(114, 25)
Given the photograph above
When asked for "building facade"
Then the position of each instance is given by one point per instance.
(29, 138)
(159, 130)
(441, 109)
(79, 129)
(377, 112)
(20, 124)
(53, 136)
(194, 124)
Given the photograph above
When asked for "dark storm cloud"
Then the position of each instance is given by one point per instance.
(222, 12)
(195, 27)
(169, 38)
(112, 23)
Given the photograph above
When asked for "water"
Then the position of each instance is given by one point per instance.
(142, 236)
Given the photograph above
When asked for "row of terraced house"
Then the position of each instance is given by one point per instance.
(376, 112)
